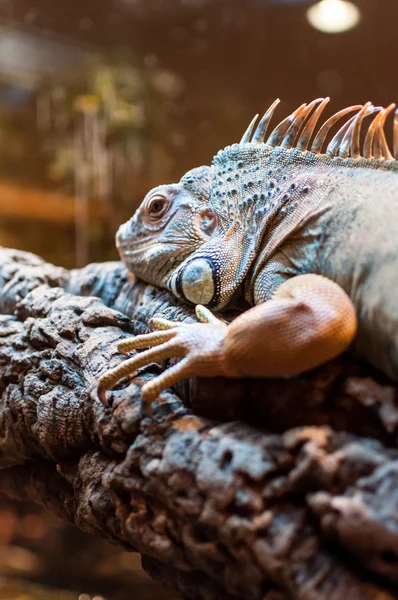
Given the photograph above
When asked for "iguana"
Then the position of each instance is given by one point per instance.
(308, 237)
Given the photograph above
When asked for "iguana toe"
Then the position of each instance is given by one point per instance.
(199, 345)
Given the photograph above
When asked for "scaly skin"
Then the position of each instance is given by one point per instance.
(311, 239)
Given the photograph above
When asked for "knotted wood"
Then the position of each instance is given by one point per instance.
(262, 489)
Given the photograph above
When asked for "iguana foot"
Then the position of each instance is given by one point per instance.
(199, 345)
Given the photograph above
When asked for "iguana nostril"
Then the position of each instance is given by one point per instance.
(123, 233)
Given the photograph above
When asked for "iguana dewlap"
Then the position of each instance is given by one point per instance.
(308, 235)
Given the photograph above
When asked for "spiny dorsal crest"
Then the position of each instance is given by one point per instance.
(298, 128)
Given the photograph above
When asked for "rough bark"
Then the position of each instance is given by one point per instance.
(266, 489)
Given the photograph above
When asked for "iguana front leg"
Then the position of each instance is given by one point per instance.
(200, 346)
(309, 320)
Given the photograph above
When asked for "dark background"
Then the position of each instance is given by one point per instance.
(225, 59)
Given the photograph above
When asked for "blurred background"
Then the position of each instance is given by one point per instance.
(100, 100)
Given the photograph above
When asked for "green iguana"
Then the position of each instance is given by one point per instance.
(310, 237)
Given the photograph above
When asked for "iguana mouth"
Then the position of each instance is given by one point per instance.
(129, 252)
(169, 242)
(296, 131)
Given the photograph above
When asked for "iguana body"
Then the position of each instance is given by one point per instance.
(311, 238)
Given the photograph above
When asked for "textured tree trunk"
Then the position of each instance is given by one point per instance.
(262, 489)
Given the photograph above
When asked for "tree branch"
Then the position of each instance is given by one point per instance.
(303, 508)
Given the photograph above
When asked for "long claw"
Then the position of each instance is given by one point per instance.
(101, 391)
(146, 340)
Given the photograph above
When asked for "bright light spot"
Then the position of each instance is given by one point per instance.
(333, 16)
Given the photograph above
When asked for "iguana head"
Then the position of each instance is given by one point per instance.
(172, 222)
(199, 237)
(188, 237)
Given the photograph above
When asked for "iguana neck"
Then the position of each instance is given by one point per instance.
(264, 196)
(330, 229)
(248, 196)
(257, 193)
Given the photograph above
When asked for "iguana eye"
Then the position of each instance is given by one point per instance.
(157, 206)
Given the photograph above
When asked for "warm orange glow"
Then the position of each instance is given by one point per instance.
(26, 203)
